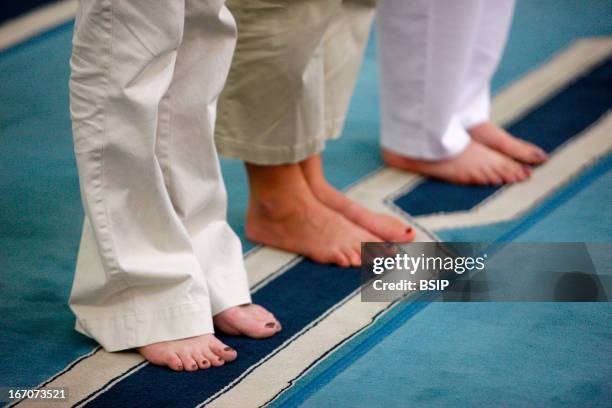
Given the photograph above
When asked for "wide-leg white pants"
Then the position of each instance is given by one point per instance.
(437, 58)
(157, 257)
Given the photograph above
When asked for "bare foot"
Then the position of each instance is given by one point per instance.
(387, 227)
(497, 138)
(305, 226)
(249, 320)
(284, 213)
(477, 164)
(189, 354)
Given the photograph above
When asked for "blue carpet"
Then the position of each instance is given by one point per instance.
(308, 292)
(473, 354)
(40, 210)
(493, 354)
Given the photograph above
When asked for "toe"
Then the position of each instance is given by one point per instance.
(527, 170)
(410, 234)
(480, 178)
(521, 173)
(395, 229)
(278, 326)
(174, 362)
(202, 361)
(354, 256)
(224, 351)
(215, 360)
(339, 258)
(509, 172)
(538, 156)
(261, 328)
(496, 177)
(189, 363)
(527, 152)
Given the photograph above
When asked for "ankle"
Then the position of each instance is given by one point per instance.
(277, 205)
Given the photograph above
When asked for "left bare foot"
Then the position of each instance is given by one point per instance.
(247, 320)
(497, 138)
(385, 226)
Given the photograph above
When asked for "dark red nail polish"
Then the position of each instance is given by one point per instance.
(270, 325)
(408, 230)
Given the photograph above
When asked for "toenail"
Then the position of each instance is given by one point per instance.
(194, 367)
(228, 348)
(540, 155)
(408, 230)
(270, 325)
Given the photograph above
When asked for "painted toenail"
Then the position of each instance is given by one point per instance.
(228, 348)
(539, 155)
(270, 325)
(408, 230)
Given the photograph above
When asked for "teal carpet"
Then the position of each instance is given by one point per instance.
(486, 354)
(41, 214)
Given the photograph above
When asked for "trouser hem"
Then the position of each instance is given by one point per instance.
(122, 332)
(270, 155)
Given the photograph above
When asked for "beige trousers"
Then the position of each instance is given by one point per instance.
(292, 77)
(157, 258)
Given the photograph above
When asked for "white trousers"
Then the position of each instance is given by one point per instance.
(157, 258)
(437, 58)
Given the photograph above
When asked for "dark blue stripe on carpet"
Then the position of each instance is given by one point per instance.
(549, 126)
(308, 290)
(12, 9)
(297, 297)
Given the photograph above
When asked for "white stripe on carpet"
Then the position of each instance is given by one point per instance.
(36, 22)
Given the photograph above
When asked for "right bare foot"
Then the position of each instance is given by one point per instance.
(191, 354)
(477, 164)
